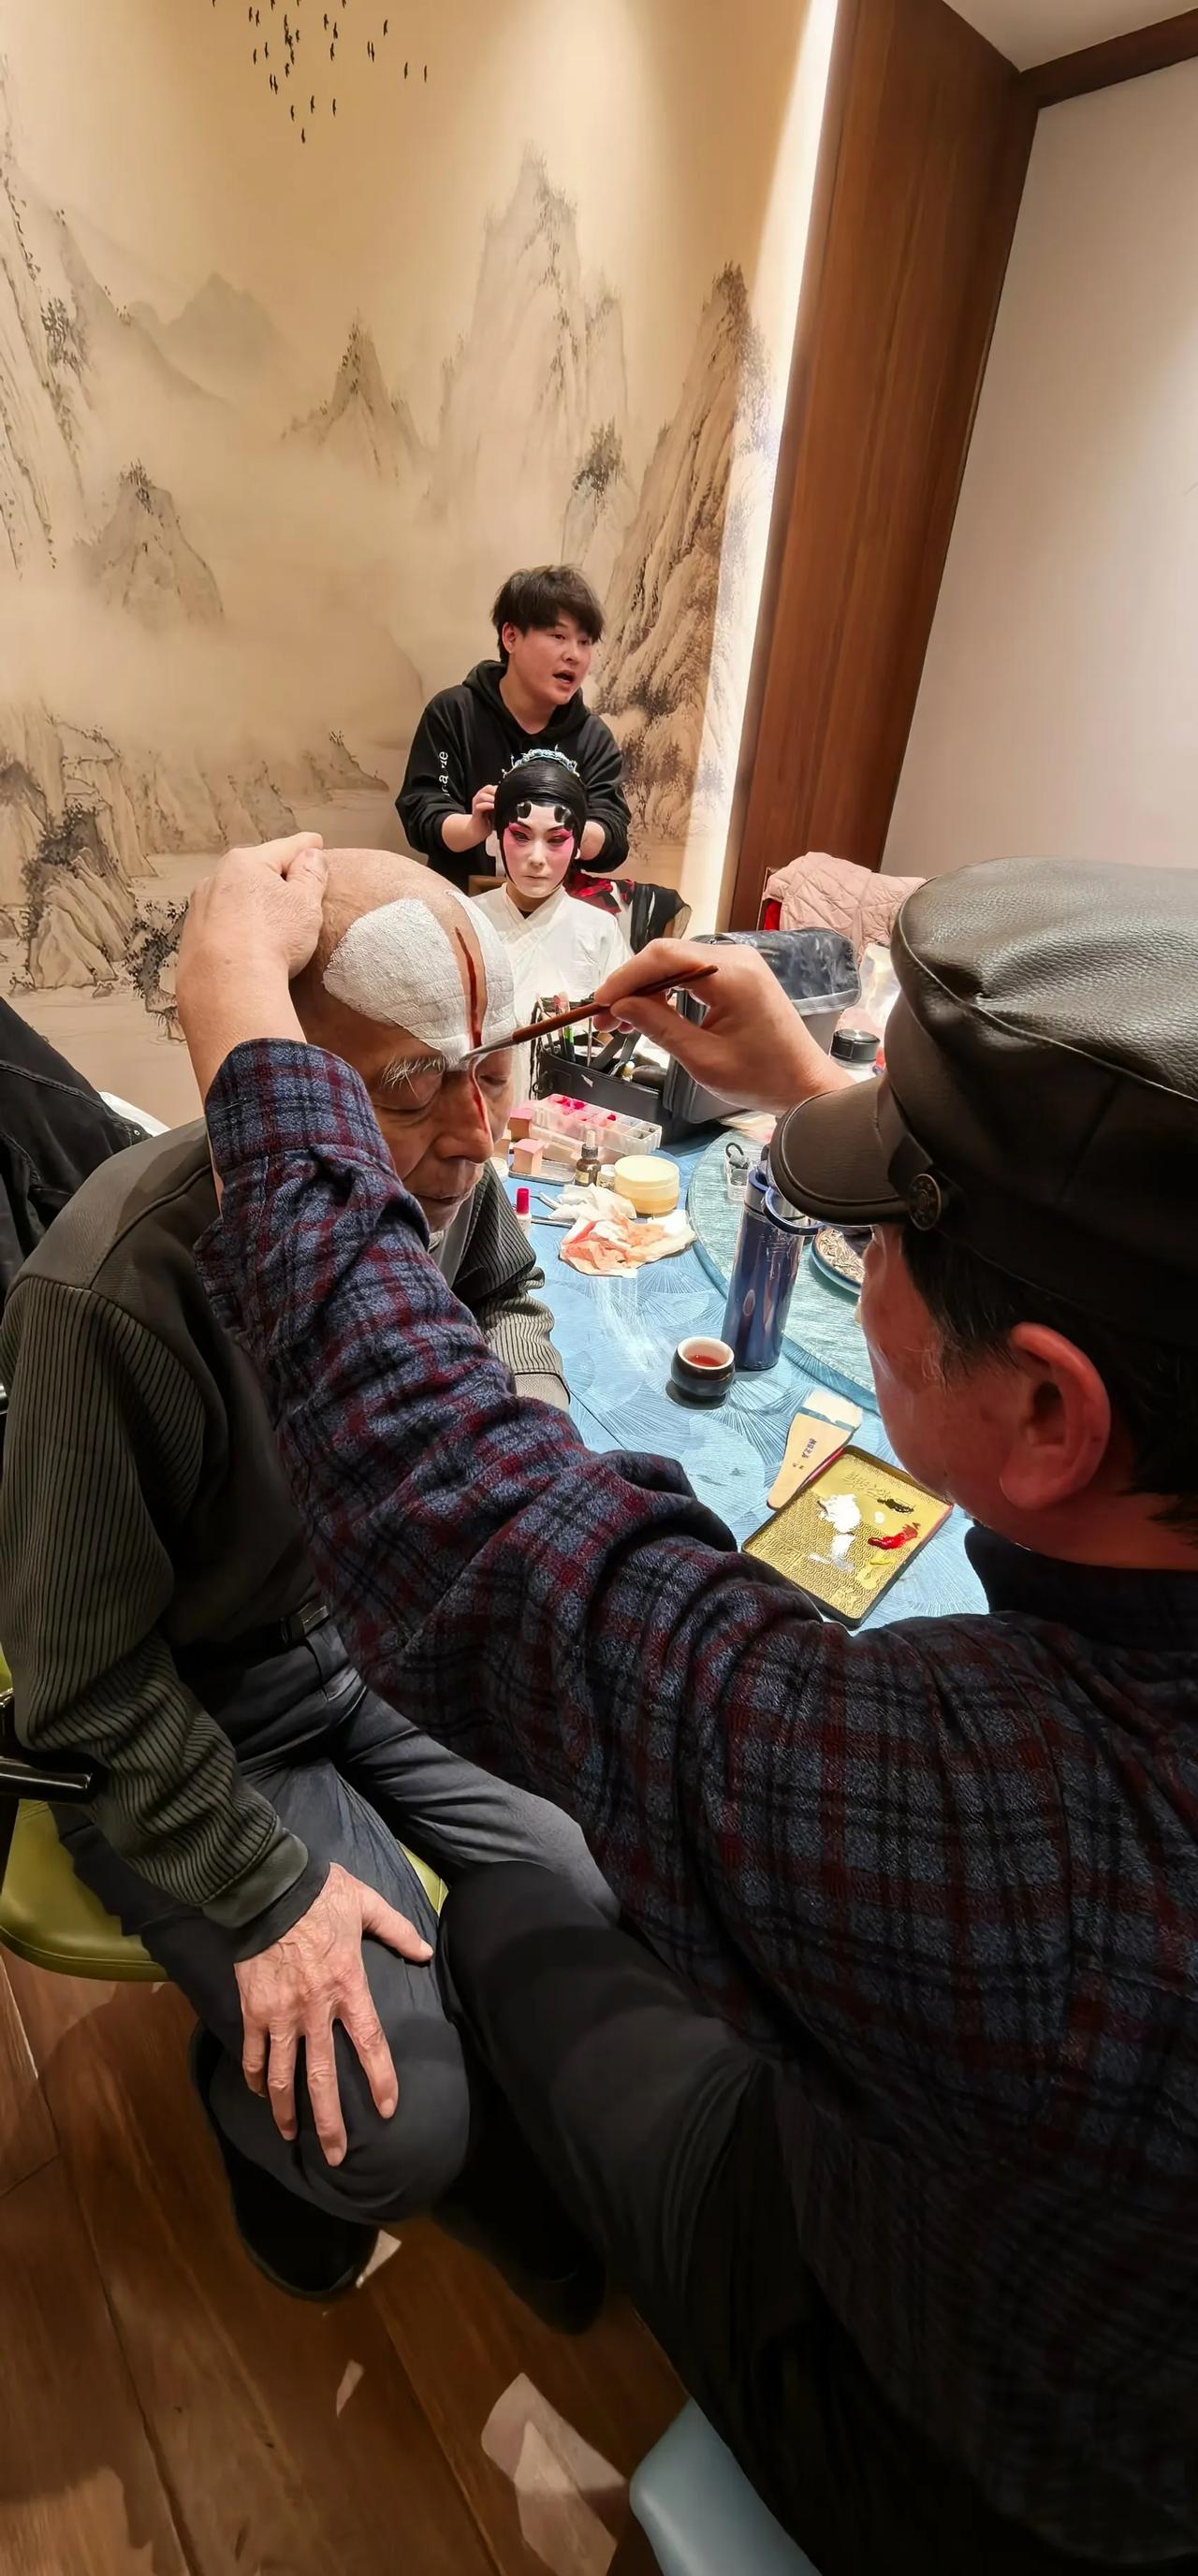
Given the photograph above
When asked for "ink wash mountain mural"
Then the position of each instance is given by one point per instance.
(141, 560)
(274, 425)
(363, 426)
(224, 342)
(675, 663)
(544, 356)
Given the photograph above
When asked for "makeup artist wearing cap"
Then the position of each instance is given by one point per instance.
(888, 2119)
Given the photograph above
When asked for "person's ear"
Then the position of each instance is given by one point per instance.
(509, 635)
(1059, 1427)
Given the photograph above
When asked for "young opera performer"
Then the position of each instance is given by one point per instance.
(557, 946)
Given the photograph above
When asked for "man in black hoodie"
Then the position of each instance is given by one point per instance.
(548, 622)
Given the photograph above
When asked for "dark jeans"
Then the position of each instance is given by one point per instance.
(352, 1778)
(658, 2129)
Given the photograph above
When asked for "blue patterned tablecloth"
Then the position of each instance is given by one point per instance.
(617, 1337)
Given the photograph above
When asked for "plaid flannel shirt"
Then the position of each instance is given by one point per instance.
(945, 1872)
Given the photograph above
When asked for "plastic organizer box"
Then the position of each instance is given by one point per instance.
(614, 1133)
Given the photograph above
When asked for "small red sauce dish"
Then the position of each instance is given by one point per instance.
(702, 1370)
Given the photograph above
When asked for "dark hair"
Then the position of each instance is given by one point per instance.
(541, 596)
(1153, 1386)
(537, 778)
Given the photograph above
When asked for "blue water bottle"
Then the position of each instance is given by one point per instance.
(768, 1251)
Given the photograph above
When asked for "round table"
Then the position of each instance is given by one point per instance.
(616, 1338)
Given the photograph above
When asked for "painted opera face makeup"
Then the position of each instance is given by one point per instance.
(537, 847)
(425, 990)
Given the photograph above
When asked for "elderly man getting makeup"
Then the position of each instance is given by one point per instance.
(160, 1611)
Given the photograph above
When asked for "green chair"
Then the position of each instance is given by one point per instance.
(47, 1915)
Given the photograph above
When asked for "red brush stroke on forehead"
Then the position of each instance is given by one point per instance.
(476, 1026)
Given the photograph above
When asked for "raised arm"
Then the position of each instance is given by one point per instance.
(784, 1811)
(577, 1622)
(443, 817)
(605, 840)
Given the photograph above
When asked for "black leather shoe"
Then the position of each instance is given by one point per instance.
(300, 2249)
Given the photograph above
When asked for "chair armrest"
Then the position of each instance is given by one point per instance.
(73, 1783)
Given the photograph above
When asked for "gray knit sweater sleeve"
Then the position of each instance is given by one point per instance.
(498, 1279)
(101, 1458)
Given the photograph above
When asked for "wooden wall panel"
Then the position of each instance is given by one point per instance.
(924, 154)
(1143, 49)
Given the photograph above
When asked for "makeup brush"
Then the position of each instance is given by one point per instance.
(585, 1011)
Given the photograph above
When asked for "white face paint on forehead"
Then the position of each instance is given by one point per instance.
(400, 967)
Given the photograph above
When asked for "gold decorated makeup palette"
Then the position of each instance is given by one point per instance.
(851, 1533)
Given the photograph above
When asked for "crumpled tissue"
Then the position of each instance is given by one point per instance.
(578, 1198)
(611, 1244)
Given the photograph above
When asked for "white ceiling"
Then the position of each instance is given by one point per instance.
(1035, 31)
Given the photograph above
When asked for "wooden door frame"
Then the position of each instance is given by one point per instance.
(883, 387)
(1121, 58)
(759, 794)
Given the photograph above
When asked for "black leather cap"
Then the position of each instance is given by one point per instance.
(1040, 1098)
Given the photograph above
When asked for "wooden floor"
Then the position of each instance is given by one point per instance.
(164, 2412)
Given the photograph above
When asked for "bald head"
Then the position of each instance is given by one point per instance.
(400, 949)
(360, 882)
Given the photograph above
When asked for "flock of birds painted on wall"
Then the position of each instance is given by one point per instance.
(274, 36)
